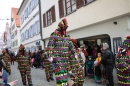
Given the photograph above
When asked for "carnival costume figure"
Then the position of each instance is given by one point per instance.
(59, 50)
(48, 66)
(123, 63)
(6, 58)
(77, 69)
(24, 66)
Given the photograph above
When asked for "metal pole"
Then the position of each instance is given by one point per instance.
(40, 20)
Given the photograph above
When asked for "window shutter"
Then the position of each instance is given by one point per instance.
(61, 8)
(79, 3)
(53, 14)
(44, 20)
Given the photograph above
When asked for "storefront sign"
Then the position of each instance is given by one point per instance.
(38, 43)
(116, 42)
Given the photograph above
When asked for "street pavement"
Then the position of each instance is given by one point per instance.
(39, 79)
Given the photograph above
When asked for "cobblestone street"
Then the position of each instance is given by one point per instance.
(38, 78)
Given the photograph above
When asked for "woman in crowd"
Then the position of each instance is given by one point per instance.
(97, 69)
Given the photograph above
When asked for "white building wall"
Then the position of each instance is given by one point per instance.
(16, 37)
(99, 10)
(31, 19)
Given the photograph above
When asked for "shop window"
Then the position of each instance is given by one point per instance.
(49, 17)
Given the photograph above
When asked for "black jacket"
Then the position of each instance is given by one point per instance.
(108, 58)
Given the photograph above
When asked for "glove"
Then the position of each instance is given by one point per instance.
(50, 59)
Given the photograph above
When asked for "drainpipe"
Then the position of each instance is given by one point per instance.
(40, 20)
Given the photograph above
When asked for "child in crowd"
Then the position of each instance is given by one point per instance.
(98, 69)
(90, 67)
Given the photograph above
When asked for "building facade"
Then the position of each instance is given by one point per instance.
(2, 44)
(90, 21)
(15, 29)
(30, 25)
(6, 36)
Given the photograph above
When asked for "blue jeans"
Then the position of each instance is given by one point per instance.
(5, 76)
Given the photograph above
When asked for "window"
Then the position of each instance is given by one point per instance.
(15, 32)
(88, 1)
(31, 31)
(36, 2)
(70, 6)
(32, 2)
(49, 17)
(30, 8)
(38, 22)
(16, 42)
(21, 20)
(26, 34)
(27, 11)
(67, 7)
(13, 26)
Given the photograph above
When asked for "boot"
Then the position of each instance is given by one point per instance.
(30, 84)
(48, 80)
(51, 79)
(24, 83)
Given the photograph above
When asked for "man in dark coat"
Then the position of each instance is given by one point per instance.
(108, 61)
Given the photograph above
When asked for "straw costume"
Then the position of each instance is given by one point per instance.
(60, 50)
(24, 66)
(123, 63)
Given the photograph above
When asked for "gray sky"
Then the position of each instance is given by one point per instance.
(5, 11)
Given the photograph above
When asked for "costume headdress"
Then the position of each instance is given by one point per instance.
(74, 42)
(3, 51)
(21, 48)
(126, 43)
(62, 27)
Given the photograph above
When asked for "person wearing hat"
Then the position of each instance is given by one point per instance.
(24, 66)
(7, 61)
(60, 52)
(47, 66)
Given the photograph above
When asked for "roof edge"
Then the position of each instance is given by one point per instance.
(20, 7)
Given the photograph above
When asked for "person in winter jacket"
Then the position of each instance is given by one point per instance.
(108, 61)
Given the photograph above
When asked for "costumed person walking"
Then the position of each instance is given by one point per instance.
(123, 63)
(6, 58)
(59, 51)
(24, 66)
(78, 69)
(12, 58)
(48, 66)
